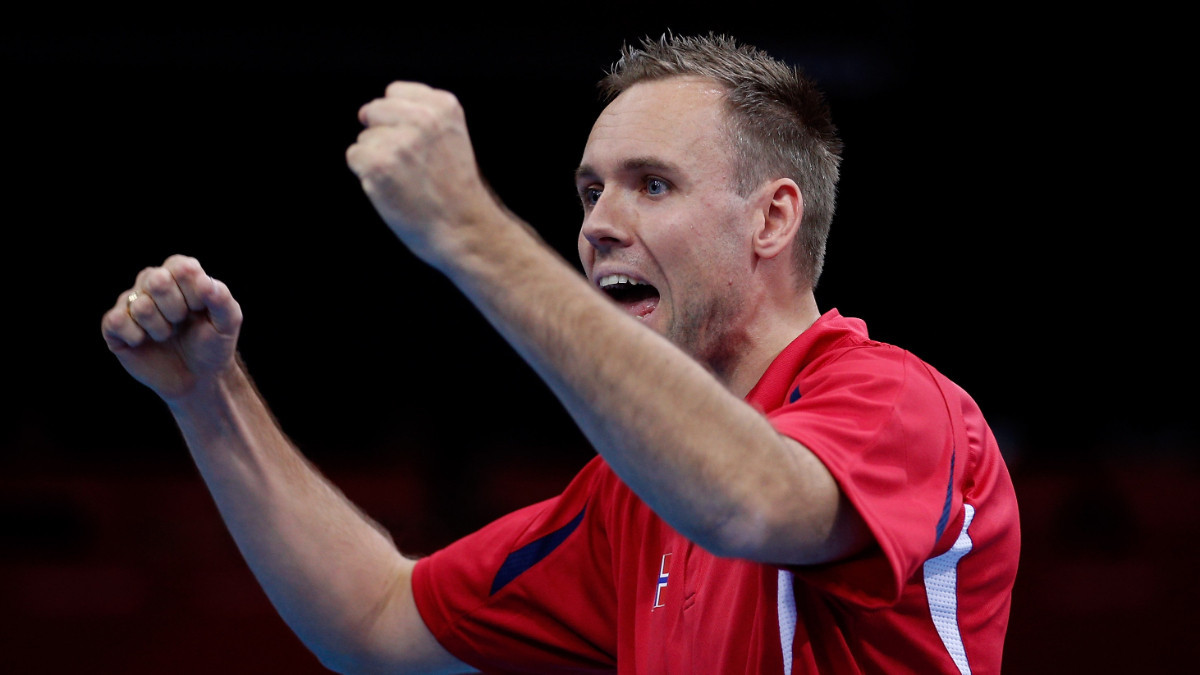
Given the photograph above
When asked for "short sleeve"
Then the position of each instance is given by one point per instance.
(876, 418)
(532, 591)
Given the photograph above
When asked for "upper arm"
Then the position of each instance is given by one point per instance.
(879, 424)
(795, 514)
(396, 638)
(838, 529)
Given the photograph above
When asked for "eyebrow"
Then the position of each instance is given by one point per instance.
(632, 164)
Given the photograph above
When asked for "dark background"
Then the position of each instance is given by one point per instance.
(1002, 213)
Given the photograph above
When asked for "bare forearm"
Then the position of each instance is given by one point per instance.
(333, 575)
(326, 567)
(707, 462)
(695, 452)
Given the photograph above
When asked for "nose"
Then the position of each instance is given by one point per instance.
(607, 224)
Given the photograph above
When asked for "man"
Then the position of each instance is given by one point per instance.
(774, 491)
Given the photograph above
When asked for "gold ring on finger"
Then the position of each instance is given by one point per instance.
(130, 298)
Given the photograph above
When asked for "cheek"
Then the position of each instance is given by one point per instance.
(713, 258)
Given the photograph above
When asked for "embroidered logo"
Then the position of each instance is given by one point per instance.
(664, 571)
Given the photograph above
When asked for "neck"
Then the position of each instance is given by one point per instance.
(771, 327)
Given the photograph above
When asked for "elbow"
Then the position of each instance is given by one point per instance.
(779, 532)
(735, 520)
(735, 529)
(346, 658)
(342, 646)
(338, 662)
(794, 514)
(362, 662)
(747, 534)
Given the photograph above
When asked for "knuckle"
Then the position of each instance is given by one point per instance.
(159, 281)
(427, 117)
(446, 99)
(187, 270)
(221, 292)
(143, 311)
(182, 263)
(368, 138)
(381, 161)
(110, 323)
(368, 112)
(398, 87)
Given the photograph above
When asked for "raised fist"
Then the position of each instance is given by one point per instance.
(418, 168)
(175, 328)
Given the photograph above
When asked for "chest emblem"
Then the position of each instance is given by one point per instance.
(664, 573)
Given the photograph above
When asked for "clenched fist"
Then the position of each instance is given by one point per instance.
(175, 329)
(418, 168)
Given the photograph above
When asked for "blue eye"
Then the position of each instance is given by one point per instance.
(590, 196)
(656, 186)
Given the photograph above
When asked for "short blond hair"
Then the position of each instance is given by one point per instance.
(779, 122)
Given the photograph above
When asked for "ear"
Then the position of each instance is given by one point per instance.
(782, 210)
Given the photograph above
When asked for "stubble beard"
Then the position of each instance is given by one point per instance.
(710, 333)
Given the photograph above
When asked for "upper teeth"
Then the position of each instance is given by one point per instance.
(614, 279)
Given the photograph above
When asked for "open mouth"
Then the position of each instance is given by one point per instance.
(636, 297)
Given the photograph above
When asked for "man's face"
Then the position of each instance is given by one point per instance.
(664, 233)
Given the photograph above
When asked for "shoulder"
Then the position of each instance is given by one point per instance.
(838, 349)
(877, 370)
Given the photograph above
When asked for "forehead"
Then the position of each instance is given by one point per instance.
(680, 119)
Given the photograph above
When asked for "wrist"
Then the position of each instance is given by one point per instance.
(211, 391)
(486, 231)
